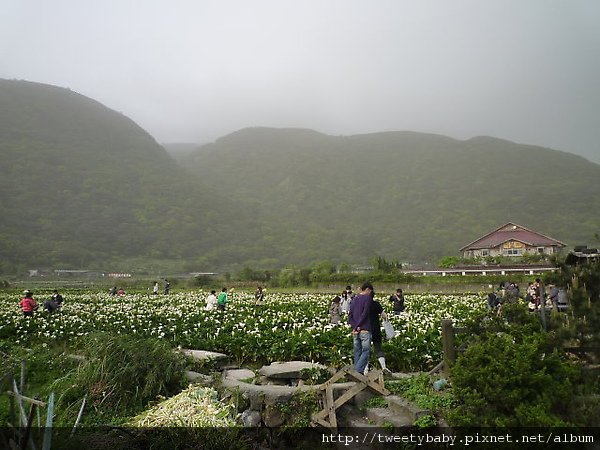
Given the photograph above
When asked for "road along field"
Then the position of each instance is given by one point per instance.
(286, 327)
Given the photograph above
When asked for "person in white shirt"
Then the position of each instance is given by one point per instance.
(211, 300)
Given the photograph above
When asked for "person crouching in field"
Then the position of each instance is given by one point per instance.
(55, 303)
(28, 304)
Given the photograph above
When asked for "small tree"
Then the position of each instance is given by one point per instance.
(382, 265)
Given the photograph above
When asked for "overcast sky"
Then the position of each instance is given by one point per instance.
(195, 70)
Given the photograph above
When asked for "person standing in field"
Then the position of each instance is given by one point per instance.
(155, 288)
(167, 287)
(376, 338)
(398, 300)
(335, 311)
(359, 318)
(259, 296)
(222, 299)
(211, 301)
(28, 304)
(346, 299)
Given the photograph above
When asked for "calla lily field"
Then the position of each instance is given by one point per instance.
(286, 327)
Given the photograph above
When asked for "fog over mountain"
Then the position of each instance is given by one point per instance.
(193, 71)
(82, 185)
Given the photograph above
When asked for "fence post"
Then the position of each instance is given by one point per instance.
(23, 370)
(448, 345)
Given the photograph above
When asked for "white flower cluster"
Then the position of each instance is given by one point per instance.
(286, 326)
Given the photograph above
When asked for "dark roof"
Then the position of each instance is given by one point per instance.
(512, 232)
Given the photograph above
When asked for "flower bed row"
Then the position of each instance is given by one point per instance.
(286, 327)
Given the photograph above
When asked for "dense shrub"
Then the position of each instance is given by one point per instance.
(513, 375)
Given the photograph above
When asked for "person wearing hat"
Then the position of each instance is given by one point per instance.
(28, 304)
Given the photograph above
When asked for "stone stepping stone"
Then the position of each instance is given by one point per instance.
(289, 369)
(384, 416)
(195, 377)
(240, 374)
(218, 360)
(403, 407)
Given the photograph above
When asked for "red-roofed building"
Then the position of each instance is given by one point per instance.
(511, 240)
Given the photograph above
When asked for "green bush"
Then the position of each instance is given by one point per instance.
(512, 376)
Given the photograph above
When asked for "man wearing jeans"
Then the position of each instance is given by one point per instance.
(359, 319)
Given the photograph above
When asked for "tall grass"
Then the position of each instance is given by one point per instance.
(121, 374)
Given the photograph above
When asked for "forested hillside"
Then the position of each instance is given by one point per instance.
(404, 195)
(82, 186)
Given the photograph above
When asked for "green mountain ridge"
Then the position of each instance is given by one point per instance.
(404, 195)
(82, 186)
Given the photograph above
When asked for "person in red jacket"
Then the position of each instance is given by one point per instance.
(28, 304)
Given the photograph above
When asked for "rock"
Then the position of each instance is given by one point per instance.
(240, 374)
(272, 416)
(381, 416)
(209, 359)
(402, 406)
(255, 399)
(290, 369)
(274, 394)
(251, 418)
(196, 377)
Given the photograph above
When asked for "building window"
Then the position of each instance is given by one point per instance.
(540, 250)
(485, 253)
(513, 252)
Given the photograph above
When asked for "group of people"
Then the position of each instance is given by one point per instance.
(166, 288)
(340, 305)
(551, 296)
(114, 291)
(219, 302)
(29, 305)
(212, 301)
(364, 314)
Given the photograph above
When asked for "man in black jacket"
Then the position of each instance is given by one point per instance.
(398, 300)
